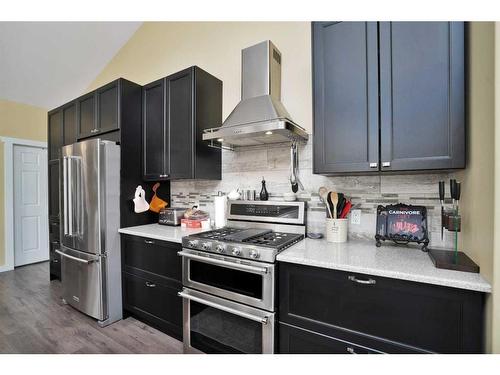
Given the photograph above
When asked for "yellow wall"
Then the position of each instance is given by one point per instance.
(159, 49)
(496, 257)
(478, 179)
(18, 121)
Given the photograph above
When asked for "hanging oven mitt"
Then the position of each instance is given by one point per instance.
(157, 203)
(140, 204)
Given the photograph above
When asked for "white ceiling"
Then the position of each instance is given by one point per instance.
(49, 63)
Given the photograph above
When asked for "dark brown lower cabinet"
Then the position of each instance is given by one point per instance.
(55, 261)
(151, 279)
(327, 311)
(294, 340)
(154, 303)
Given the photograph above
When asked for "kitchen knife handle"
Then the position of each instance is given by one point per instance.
(453, 188)
(441, 190)
(457, 191)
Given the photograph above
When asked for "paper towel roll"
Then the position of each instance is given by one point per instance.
(220, 205)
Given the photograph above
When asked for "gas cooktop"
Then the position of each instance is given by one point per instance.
(253, 243)
(261, 237)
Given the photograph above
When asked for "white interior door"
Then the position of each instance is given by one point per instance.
(31, 241)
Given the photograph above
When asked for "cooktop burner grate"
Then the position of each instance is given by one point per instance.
(219, 234)
(251, 236)
(276, 240)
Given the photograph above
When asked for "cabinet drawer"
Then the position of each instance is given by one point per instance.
(155, 303)
(425, 317)
(144, 254)
(294, 340)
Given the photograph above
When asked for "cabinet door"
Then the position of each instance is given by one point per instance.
(422, 95)
(86, 110)
(107, 107)
(179, 159)
(55, 261)
(156, 303)
(69, 123)
(55, 134)
(155, 138)
(345, 89)
(54, 186)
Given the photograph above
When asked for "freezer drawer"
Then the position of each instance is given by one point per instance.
(84, 281)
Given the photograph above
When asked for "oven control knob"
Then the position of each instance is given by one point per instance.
(254, 254)
(236, 251)
(206, 246)
(219, 248)
(192, 243)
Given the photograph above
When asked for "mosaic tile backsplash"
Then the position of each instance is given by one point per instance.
(246, 167)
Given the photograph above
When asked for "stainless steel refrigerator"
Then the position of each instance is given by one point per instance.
(90, 219)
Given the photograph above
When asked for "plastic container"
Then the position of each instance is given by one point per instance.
(336, 230)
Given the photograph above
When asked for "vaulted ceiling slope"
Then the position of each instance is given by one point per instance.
(46, 64)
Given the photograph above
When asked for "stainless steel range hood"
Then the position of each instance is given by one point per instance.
(260, 117)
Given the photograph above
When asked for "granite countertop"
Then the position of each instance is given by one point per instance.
(389, 260)
(160, 232)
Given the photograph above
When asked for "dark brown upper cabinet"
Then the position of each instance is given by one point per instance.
(99, 111)
(176, 110)
(69, 123)
(86, 115)
(108, 107)
(388, 96)
(55, 133)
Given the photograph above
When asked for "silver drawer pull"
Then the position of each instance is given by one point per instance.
(351, 350)
(149, 242)
(373, 165)
(386, 164)
(364, 282)
(94, 131)
(223, 263)
(74, 258)
(150, 285)
(227, 309)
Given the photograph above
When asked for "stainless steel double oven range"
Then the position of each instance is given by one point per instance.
(229, 277)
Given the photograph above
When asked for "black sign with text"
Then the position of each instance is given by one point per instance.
(402, 223)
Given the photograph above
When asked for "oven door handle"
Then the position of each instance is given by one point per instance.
(223, 263)
(262, 320)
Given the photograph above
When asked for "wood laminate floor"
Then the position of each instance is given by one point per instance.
(34, 320)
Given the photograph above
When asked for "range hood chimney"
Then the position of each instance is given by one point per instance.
(260, 117)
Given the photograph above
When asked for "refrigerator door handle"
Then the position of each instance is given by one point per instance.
(70, 196)
(65, 195)
(74, 258)
(78, 196)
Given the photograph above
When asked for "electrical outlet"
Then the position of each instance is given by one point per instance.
(355, 217)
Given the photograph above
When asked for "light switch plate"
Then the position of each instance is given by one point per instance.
(355, 217)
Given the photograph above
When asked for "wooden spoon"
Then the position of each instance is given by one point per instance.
(323, 195)
(334, 198)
